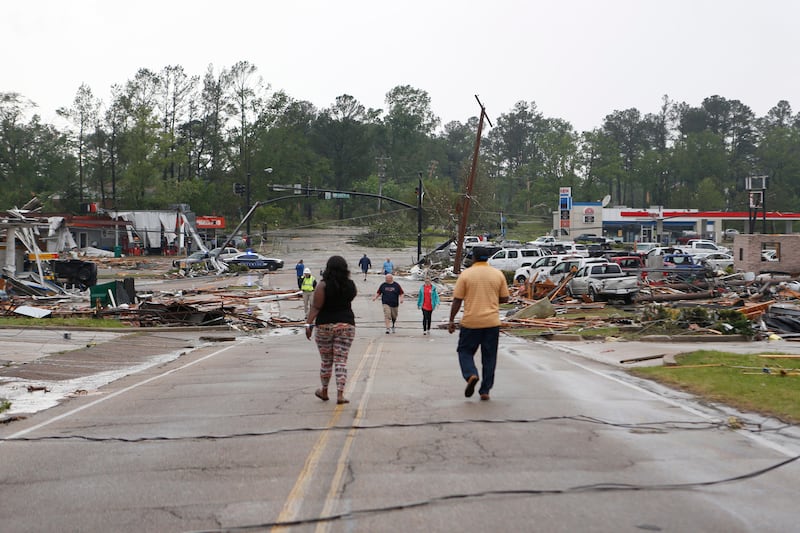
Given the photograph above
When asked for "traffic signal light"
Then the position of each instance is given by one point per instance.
(239, 188)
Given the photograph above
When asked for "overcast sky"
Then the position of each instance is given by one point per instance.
(578, 60)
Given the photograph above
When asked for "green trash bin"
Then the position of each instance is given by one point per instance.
(118, 251)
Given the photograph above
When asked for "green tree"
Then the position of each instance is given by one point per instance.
(628, 132)
(779, 157)
(407, 129)
(514, 150)
(141, 144)
(35, 159)
(83, 114)
(343, 136)
(177, 93)
(697, 156)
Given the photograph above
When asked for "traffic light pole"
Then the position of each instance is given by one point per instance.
(309, 190)
(247, 200)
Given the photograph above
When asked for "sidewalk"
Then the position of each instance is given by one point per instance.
(42, 367)
(613, 352)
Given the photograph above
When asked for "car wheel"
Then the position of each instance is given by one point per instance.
(521, 279)
(593, 295)
(272, 267)
(569, 292)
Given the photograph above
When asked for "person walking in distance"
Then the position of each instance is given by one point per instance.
(481, 288)
(332, 314)
(388, 266)
(427, 301)
(365, 265)
(307, 285)
(391, 294)
(299, 268)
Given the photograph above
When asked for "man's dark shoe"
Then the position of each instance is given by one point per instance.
(484, 397)
(471, 382)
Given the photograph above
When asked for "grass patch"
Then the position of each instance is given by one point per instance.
(746, 382)
(5, 405)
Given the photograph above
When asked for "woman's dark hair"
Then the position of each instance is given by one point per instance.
(336, 272)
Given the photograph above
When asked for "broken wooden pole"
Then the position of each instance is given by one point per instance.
(645, 358)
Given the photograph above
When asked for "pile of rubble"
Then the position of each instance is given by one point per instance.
(756, 306)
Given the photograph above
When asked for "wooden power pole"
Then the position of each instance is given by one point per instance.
(462, 222)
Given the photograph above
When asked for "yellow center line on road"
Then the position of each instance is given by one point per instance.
(294, 500)
(336, 483)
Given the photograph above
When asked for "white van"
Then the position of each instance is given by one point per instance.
(514, 258)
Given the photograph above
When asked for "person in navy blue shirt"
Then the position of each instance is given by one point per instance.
(365, 265)
(391, 294)
(300, 268)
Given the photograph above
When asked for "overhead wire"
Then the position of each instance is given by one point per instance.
(593, 487)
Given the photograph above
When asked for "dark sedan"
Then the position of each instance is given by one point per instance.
(255, 261)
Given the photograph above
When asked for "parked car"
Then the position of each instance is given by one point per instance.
(544, 240)
(469, 242)
(187, 263)
(253, 260)
(590, 238)
(586, 237)
(561, 270)
(597, 250)
(603, 281)
(703, 245)
(679, 261)
(468, 258)
(514, 258)
(717, 261)
(224, 253)
(686, 237)
(537, 268)
(644, 247)
(631, 264)
(769, 255)
(576, 248)
(681, 266)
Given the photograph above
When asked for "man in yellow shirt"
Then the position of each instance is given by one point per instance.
(482, 288)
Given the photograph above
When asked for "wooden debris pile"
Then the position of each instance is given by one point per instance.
(239, 309)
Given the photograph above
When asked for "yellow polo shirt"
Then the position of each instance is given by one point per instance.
(481, 286)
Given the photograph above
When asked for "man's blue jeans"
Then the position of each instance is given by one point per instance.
(469, 340)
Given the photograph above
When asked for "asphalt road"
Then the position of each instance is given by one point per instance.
(229, 437)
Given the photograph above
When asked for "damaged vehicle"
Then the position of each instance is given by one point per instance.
(603, 281)
(254, 260)
(197, 258)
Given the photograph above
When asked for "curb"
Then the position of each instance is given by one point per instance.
(650, 338)
(694, 338)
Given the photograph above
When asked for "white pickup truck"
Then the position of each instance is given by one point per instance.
(469, 242)
(544, 240)
(695, 246)
(603, 281)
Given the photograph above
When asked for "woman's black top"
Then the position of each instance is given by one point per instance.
(336, 308)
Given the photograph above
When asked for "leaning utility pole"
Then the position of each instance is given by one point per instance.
(462, 223)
